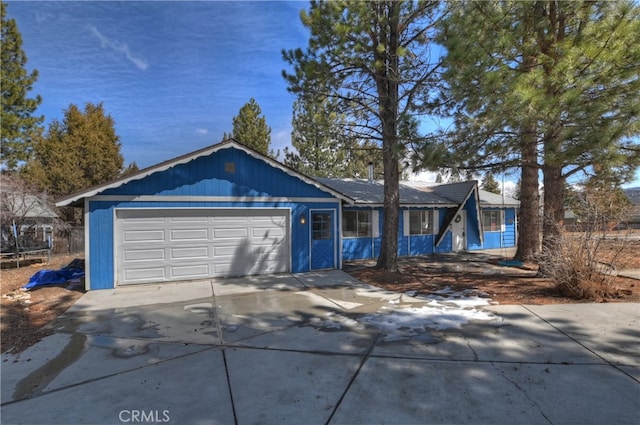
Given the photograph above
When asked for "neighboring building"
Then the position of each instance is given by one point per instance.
(227, 210)
(633, 221)
(27, 216)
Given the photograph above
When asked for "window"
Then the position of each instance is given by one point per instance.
(420, 222)
(321, 226)
(356, 224)
(491, 221)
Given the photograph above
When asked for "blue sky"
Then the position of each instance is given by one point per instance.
(171, 74)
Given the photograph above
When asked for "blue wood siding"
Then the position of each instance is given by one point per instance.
(502, 239)
(472, 225)
(358, 248)
(492, 240)
(446, 245)
(207, 176)
(364, 247)
(369, 247)
(101, 252)
(509, 238)
(421, 244)
(102, 232)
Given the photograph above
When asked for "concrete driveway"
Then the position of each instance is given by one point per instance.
(322, 348)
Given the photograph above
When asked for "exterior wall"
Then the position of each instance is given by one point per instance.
(208, 176)
(510, 239)
(472, 225)
(411, 245)
(199, 184)
(408, 245)
(506, 238)
(363, 247)
(102, 232)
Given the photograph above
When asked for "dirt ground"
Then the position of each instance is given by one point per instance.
(506, 288)
(23, 314)
(504, 285)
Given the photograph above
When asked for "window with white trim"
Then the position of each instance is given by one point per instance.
(491, 221)
(420, 222)
(356, 224)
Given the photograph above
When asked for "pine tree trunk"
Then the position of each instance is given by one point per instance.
(529, 215)
(553, 219)
(388, 259)
(387, 87)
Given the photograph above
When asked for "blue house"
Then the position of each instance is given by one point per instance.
(227, 210)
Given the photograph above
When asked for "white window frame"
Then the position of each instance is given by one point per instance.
(406, 218)
(370, 228)
(500, 221)
(425, 227)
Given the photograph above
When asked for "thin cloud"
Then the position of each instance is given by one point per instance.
(202, 131)
(119, 47)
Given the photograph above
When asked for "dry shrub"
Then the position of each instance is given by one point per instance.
(574, 263)
(579, 263)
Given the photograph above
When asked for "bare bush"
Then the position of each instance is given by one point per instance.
(577, 262)
(574, 266)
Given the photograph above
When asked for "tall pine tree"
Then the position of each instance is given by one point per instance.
(372, 59)
(80, 151)
(323, 145)
(489, 183)
(250, 128)
(543, 86)
(18, 124)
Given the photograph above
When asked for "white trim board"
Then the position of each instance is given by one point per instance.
(164, 198)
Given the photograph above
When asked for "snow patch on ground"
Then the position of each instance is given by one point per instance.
(336, 321)
(445, 309)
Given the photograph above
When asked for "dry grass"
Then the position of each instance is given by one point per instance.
(583, 265)
(24, 314)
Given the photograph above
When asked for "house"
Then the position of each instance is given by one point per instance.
(227, 210)
(633, 219)
(26, 217)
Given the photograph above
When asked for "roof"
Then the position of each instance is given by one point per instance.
(75, 199)
(457, 192)
(365, 192)
(492, 199)
(27, 206)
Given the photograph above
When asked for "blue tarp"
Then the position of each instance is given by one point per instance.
(511, 263)
(73, 270)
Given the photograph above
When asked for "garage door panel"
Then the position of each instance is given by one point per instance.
(165, 245)
(192, 252)
(144, 236)
(189, 234)
(145, 274)
(194, 271)
(271, 246)
(260, 232)
(224, 251)
(230, 233)
(144, 254)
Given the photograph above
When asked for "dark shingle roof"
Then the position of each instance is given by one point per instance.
(457, 192)
(366, 192)
(492, 199)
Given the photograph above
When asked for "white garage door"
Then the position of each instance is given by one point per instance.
(185, 244)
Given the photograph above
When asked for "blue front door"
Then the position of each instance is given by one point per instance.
(322, 240)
